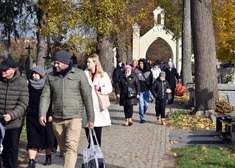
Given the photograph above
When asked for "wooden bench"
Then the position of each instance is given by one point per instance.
(229, 128)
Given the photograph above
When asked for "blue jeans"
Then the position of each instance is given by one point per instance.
(143, 104)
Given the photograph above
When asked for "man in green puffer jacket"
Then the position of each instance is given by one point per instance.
(68, 90)
(14, 98)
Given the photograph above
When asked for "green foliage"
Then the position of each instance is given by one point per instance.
(23, 135)
(176, 114)
(204, 156)
(173, 16)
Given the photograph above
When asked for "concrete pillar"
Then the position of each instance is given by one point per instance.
(136, 41)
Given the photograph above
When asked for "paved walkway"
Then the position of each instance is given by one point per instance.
(136, 146)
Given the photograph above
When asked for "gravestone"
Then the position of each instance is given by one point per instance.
(228, 92)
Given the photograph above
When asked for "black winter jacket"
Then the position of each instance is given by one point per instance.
(171, 77)
(122, 89)
(159, 87)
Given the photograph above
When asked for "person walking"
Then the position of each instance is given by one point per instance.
(128, 89)
(155, 71)
(145, 78)
(134, 64)
(99, 82)
(14, 98)
(38, 136)
(116, 75)
(160, 89)
(171, 76)
(68, 91)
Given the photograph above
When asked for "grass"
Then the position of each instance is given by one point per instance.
(204, 157)
(23, 135)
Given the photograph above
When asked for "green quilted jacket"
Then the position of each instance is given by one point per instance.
(69, 96)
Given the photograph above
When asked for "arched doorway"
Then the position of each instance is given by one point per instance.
(142, 44)
(159, 50)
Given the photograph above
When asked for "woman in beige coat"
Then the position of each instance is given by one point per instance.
(100, 82)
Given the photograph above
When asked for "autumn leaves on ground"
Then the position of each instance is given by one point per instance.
(197, 155)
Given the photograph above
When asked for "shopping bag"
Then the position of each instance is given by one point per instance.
(103, 100)
(179, 90)
(93, 157)
(2, 134)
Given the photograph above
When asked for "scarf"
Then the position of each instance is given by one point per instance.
(64, 71)
(37, 83)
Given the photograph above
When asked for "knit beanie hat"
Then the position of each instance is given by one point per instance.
(39, 69)
(127, 67)
(162, 74)
(170, 63)
(62, 56)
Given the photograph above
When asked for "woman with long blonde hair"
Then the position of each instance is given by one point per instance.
(101, 83)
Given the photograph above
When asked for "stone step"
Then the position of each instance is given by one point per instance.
(197, 137)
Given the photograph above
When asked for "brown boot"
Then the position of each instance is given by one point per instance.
(163, 121)
(159, 120)
(130, 121)
(126, 123)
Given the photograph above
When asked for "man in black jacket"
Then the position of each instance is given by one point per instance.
(116, 75)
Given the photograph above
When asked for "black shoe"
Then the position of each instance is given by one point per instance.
(48, 160)
(31, 163)
(142, 121)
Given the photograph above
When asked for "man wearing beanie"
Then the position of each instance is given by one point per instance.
(68, 89)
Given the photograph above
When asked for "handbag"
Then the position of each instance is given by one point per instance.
(169, 97)
(93, 157)
(103, 100)
(131, 92)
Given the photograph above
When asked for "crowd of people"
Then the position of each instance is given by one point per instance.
(58, 104)
(150, 82)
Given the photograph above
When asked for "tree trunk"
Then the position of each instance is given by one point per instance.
(41, 47)
(105, 48)
(206, 84)
(187, 54)
(122, 47)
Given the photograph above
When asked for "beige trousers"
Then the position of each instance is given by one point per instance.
(67, 133)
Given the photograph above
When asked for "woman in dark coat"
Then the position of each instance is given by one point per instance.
(38, 136)
(160, 88)
(128, 80)
(171, 76)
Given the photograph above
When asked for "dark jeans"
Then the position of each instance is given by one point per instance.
(128, 111)
(10, 148)
(160, 107)
(98, 132)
